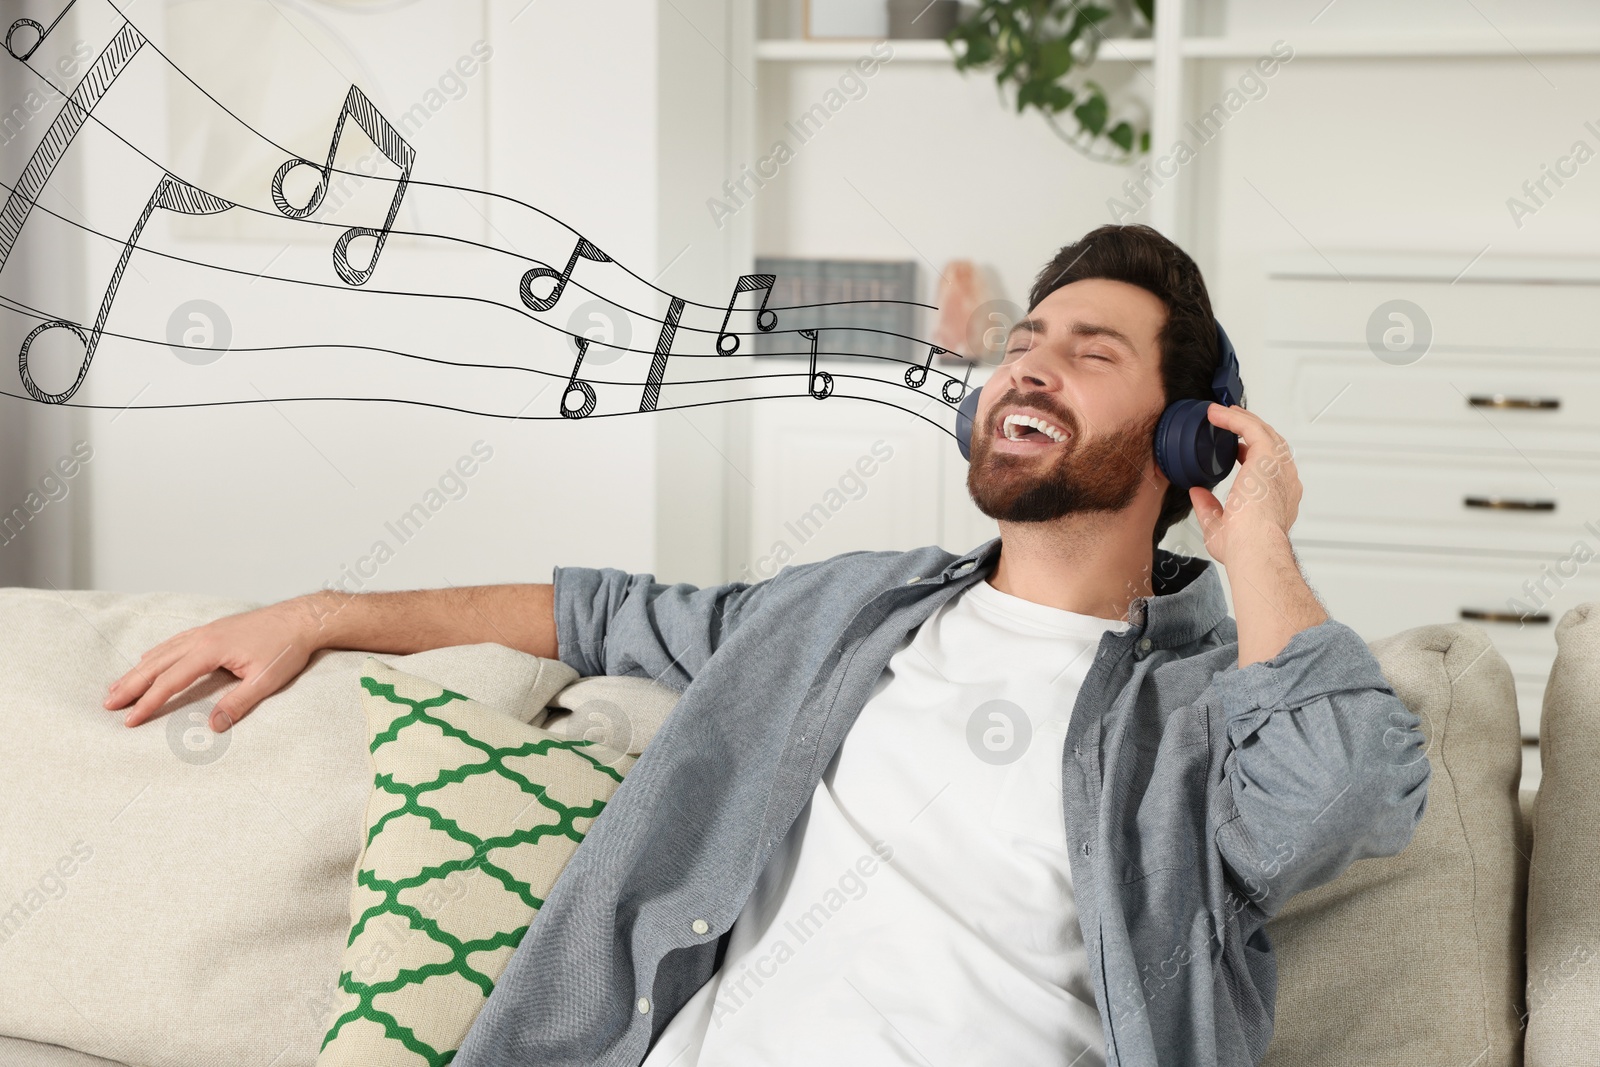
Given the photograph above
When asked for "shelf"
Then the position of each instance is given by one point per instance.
(1142, 49)
(804, 51)
(799, 50)
(1399, 45)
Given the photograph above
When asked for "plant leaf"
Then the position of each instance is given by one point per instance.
(1091, 114)
(1059, 98)
(1055, 59)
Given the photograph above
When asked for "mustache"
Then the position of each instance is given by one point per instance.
(1039, 401)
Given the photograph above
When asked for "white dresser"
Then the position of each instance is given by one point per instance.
(1446, 427)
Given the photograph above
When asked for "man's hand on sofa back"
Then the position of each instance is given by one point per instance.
(266, 649)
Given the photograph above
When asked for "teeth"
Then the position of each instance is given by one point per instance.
(1013, 425)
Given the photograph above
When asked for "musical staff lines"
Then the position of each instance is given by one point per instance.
(604, 380)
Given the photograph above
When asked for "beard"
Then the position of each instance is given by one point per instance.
(1099, 475)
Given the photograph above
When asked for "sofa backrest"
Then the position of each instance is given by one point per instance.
(176, 896)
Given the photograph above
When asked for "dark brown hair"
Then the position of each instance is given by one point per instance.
(1139, 255)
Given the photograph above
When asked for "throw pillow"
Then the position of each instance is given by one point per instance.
(473, 816)
(1417, 958)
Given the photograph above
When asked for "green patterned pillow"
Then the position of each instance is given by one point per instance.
(472, 818)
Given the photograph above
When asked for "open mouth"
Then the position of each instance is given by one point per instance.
(1018, 432)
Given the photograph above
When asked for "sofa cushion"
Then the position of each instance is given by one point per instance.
(1563, 981)
(173, 897)
(620, 712)
(472, 818)
(1417, 958)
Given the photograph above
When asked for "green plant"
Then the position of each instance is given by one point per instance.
(1037, 46)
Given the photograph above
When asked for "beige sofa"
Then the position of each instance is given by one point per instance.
(172, 898)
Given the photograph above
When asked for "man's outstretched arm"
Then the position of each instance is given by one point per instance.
(267, 648)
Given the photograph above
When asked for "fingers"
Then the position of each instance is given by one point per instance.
(1247, 424)
(1252, 431)
(1207, 507)
(155, 660)
(253, 689)
(174, 679)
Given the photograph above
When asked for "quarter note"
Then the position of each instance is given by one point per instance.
(728, 343)
(583, 250)
(42, 31)
(916, 377)
(170, 195)
(576, 384)
(391, 144)
(945, 389)
(113, 60)
(658, 365)
(825, 389)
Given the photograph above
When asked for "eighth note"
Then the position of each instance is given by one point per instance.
(825, 389)
(945, 389)
(576, 384)
(728, 343)
(391, 144)
(917, 376)
(170, 195)
(584, 250)
(42, 31)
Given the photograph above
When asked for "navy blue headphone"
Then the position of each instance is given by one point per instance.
(1189, 449)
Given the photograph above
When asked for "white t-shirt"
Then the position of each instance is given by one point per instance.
(920, 910)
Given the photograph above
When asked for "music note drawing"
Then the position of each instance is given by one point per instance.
(583, 250)
(391, 144)
(728, 343)
(577, 385)
(819, 383)
(40, 31)
(170, 195)
(916, 377)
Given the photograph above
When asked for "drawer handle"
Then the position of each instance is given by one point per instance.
(1502, 616)
(1500, 400)
(1502, 504)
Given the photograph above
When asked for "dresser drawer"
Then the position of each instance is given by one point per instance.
(1380, 593)
(1481, 311)
(1443, 403)
(1538, 506)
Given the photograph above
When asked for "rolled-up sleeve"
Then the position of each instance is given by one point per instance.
(611, 622)
(1327, 765)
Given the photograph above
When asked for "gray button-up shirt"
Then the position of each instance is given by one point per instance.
(1198, 797)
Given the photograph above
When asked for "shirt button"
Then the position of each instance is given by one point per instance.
(644, 1005)
(700, 926)
(914, 581)
(1144, 644)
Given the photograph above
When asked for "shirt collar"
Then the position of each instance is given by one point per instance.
(1188, 601)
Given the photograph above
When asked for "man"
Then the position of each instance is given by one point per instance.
(1029, 805)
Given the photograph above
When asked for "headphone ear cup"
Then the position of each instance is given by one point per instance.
(1189, 449)
(966, 421)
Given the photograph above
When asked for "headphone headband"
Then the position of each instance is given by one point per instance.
(1226, 384)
